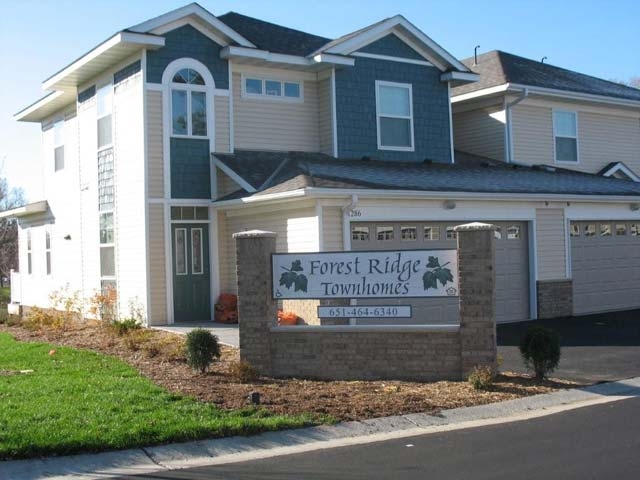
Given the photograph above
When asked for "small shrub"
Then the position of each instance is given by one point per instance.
(540, 350)
(138, 339)
(68, 305)
(122, 327)
(103, 304)
(243, 371)
(39, 318)
(481, 377)
(202, 348)
(171, 347)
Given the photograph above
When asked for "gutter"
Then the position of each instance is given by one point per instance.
(316, 192)
(508, 131)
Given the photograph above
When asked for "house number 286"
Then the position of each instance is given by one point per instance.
(355, 213)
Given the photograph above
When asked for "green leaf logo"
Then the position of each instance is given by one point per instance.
(436, 273)
(292, 278)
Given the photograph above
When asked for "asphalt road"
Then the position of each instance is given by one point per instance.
(595, 348)
(597, 442)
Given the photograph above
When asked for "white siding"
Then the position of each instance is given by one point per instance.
(155, 169)
(297, 231)
(264, 124)
(532, 132)
(325, 116)
(332, 229)
(221, 105)
(480, 132)
(156, 259)
(551, 248)
(131, 271)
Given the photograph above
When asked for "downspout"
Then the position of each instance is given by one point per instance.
(508, 130)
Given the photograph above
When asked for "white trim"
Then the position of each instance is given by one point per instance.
(334, 59)
(273, 98)
(320, 217)
(353, 43)
(120, 38)
(313, 60)
(393, 59)
(214, 258)
(231, 118)
(220, 92)
(452, 146)
(567, 246)
(155, 87)
(234, 176)
(459, 76)
(168, 264)
(187, 21)
(533, 268)
(408, 86)
(621, 167)
(334, 114)
(553, 122)
(145, 150)
(198, 11)
(29, 209)
(22, 114)
(480, 93)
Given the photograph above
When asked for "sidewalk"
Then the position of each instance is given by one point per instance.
(236, 449)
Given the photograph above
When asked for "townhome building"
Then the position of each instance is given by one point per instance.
(170, 136)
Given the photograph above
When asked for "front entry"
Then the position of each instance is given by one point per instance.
(191, 284)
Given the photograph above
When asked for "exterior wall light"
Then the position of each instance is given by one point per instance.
(448, 204)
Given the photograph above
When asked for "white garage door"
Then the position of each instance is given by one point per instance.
(512, 266)
(605, 265)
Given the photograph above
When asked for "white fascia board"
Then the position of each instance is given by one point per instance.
(460, 76)
(367, 36)
(198, 11)
(577, 95)
(480, 93)
(121, 38)
(621, 167)
(29, 209)
(334, 59)
(266, 56)
(268, 198)
(25, 113)
(234, 176)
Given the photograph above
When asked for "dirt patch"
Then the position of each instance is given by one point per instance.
(157, 355)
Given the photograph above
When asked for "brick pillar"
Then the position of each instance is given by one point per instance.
(257, 311)
(476, 266)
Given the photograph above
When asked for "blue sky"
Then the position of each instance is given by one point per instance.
(38, 37)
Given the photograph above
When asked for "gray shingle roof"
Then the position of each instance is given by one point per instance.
(272, 37)
(497, 68)
(470, 174)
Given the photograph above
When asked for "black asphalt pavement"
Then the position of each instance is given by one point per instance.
(601, 347)
(597, 442)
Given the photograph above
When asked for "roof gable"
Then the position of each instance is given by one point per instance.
(392, 46)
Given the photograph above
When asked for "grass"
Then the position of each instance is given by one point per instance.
(81, 401)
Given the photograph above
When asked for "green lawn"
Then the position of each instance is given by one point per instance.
(76, 401)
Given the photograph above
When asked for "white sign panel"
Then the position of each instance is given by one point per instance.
(379, 274)
(365, 311)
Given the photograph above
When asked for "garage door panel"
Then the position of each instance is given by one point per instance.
(512, 266)
(605, 268)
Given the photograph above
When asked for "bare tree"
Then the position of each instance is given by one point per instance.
(634, 82)
(9, 198)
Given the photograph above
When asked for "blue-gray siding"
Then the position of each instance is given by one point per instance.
(190, 168)
(126, 72)
(356, 110)
(186, 41)
(393, 47)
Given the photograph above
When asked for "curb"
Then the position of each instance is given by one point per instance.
(236, 449)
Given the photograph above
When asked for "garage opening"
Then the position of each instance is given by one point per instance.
(512, 267)
(605, 265)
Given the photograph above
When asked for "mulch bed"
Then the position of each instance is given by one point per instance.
(342, 400)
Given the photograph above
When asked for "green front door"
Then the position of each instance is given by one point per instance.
(191, 285)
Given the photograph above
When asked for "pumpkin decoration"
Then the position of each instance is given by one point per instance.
(287, 318)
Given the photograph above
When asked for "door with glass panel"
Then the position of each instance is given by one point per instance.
(191, 284)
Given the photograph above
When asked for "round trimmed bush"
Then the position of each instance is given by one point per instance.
(540, 350)
(201, 348)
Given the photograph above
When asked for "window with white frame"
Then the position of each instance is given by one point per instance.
(58, 145)
(565, 131)
(394, 112)
(47, 249)
(104, 101)
(271, 88)
(188, 104)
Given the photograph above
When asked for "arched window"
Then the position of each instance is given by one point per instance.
(188, 104)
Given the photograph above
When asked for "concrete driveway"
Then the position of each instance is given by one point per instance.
(595, 348)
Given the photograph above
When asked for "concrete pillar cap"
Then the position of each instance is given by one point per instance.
(475, 227)
(254, 234)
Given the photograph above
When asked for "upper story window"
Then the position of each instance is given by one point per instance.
(565, 131)
(188, 104)
(255, 87)
(394, 112)
(29, 253)
(58, 145)
(104, 99)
